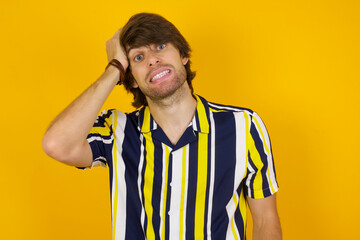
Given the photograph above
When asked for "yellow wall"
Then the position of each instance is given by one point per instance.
(294, 62)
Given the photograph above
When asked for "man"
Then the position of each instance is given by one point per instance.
(180, 167)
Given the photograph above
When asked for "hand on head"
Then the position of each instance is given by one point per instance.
(115, 51)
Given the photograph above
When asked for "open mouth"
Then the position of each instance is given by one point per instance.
(160, 75)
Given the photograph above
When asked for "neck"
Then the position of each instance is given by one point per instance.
(174, 113)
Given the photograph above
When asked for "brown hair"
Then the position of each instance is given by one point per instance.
(144, 29)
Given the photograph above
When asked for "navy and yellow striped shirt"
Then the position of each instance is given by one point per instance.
(192, 190)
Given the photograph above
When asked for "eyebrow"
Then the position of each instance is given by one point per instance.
(131, 48)
(128, 51)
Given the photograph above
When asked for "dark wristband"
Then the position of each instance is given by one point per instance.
(116, 63)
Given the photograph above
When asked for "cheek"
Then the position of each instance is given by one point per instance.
(137, 72)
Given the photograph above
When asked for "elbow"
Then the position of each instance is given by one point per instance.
(68, 153)
(52, 147)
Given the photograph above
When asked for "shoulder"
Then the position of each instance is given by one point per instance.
(216, 108)
(107, 113)
(223, 113)
(116, 117)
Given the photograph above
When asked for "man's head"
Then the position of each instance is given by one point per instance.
(145, 29)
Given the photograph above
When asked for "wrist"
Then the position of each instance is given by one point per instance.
(117, 64)
(113, 73)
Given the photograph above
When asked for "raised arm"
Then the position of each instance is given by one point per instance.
(266, 223)
(65, 139)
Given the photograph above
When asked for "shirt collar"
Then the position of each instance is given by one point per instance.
(200, 122)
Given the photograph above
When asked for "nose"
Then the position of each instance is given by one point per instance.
(153, 59)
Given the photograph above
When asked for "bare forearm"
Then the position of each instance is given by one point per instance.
(69, 130)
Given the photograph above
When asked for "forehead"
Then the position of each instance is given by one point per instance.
(131, 49)
(144, 38)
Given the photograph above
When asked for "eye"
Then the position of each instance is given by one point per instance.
(161, 46)
(137, 58)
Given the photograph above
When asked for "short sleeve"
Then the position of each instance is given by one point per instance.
(260, 178)
(101, 138)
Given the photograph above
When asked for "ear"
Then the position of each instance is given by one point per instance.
(184, 60)
(135, 85)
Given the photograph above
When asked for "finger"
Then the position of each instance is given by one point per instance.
(117, 34)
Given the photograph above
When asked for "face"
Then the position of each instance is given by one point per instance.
(158, 70)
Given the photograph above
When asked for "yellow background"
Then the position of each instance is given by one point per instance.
(295, 62)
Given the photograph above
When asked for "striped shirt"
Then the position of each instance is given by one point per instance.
(195, 189)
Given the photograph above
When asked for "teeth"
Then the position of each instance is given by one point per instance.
(159, 75)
